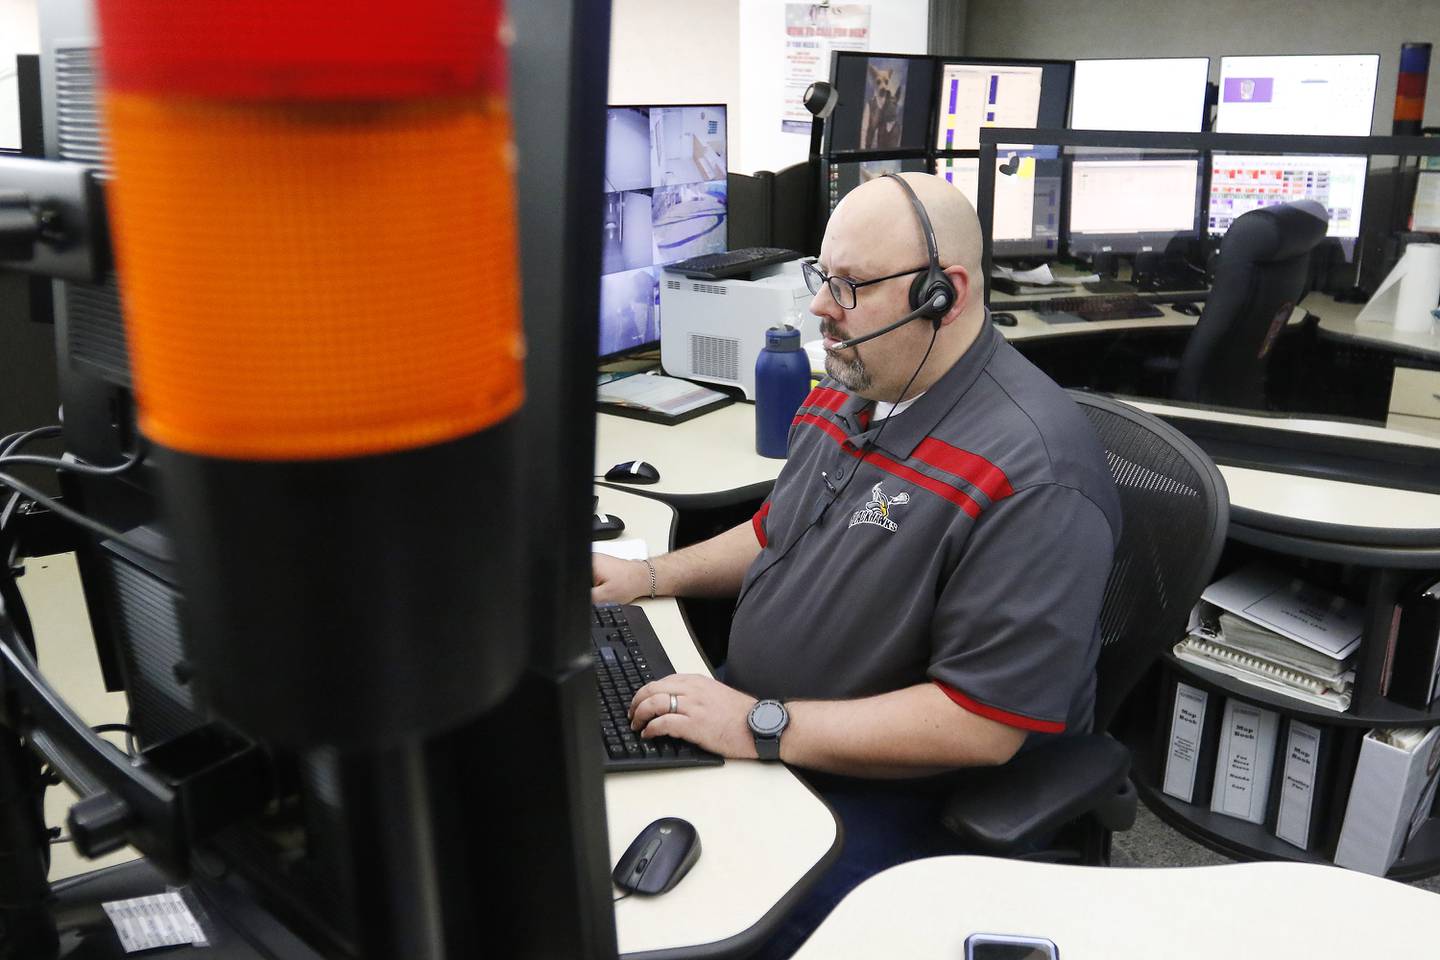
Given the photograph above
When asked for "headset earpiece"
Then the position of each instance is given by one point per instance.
(932, 294)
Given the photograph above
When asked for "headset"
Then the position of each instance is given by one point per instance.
(932, 294)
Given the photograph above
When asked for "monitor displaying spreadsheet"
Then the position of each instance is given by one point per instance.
(977, 93)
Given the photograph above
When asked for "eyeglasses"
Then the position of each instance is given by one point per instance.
(843, 289)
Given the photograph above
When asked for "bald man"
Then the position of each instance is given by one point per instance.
(921, 591)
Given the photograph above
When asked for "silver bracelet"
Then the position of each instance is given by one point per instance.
(651, 567)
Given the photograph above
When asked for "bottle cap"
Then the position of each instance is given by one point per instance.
(782, 338)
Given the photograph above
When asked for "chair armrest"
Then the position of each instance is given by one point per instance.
(1001, 809)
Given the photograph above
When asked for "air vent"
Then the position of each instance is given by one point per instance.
(77, 123)
(95, 329)
(146, 612)
(709, 288)
(716, 357)
(673, 285)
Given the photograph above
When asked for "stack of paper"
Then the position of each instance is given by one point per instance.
(1279, 633)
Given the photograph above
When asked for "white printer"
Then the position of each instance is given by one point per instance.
(713, 330)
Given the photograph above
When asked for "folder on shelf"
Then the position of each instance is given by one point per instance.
(1244, 761)
(1390, 798)
(1279, 633)
(1194, 738)
(1411, 675)
(1303, 789)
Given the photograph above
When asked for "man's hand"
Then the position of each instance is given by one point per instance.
(617, 581)
(708, 714)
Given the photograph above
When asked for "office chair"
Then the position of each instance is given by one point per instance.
(1076, 789)
(1260, 275)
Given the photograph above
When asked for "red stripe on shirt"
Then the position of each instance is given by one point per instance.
(952, 493)
(939, 487)
(1001, 716)
(825, 398)
(979, 472)
(823, 424)
(758, 522)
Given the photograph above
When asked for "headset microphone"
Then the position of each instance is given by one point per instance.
(939, 302)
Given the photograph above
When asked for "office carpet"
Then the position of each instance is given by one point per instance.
(1153, 843)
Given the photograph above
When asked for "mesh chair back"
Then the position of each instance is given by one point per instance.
(1175, 509)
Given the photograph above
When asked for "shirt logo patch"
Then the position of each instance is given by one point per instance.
(877, 509)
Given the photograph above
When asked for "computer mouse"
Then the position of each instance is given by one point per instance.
(606, 526)
(659, 857)
(1189, 309)
(1003, 319)
(633, 471)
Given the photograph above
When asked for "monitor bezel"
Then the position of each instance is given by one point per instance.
(941, 62)
(1131, 243)
(1220, 82)
(1204, 88)
(828, 151)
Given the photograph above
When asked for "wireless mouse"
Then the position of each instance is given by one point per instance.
(633, 471)
(659, 857)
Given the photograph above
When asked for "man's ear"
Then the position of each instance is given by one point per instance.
(964, 291)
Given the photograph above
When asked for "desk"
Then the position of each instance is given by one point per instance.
(712, 459)
(925, 909)
(764, 835)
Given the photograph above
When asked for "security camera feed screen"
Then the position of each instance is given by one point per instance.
(883, 103)
(845, 177)
(665, 170)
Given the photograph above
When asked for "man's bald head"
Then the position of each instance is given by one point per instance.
(876, 226)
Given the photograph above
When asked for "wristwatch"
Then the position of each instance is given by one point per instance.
(768, 719)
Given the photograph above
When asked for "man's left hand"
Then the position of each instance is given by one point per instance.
(707, 714)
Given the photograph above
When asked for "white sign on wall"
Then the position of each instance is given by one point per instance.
(812, 32)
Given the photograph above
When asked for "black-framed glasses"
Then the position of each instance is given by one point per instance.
(843, 289)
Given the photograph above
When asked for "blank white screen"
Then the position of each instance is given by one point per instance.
(1166, 94)
(1133, 196)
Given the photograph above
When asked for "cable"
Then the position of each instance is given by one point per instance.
(74, 466)
(622, 896)
(78, 518)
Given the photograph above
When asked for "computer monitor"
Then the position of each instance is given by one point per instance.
(847, 175)
(1323, 95)
(1241, 183)
(1025, 219)
(976, 93)
(1425, 213)
(665, 200)
(1163, 93)
(884, 103)
(1132, 205)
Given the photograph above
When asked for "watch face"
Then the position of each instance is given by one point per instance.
(767, 717)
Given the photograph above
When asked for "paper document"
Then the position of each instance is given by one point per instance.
(1038, 277)
(665, 394)
(626, 548)
(1292, 608)
(145, 923)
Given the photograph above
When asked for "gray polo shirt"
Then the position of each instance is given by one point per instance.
(968, 545)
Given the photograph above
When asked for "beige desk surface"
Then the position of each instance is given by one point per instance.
(714, 454)
(924, 910)
(761, 829)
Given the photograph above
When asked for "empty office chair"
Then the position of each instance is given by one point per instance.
(1260, 276)
(1076, 790)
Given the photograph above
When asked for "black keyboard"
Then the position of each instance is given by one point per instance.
(732, 263)
(628, 655)
(1101, 308)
